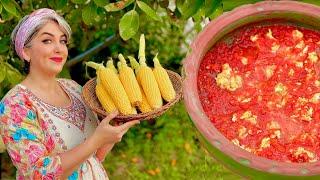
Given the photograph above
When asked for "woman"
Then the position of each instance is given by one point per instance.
(48, 131)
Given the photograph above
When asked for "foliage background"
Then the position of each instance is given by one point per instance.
(167, 148)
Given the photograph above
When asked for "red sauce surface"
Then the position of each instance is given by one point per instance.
(274, 110)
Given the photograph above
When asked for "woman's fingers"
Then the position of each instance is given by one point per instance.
(117, 123)
(124, 127)
(110, 117)
(113, 134)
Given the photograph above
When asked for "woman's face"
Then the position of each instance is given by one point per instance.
(48, 51)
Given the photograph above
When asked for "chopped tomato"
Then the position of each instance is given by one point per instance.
(262, 91)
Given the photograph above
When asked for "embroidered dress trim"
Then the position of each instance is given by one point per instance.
(74, 113)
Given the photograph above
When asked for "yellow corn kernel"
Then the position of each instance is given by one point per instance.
(129, 82)
(111, 66)
(112, 84)
(104, 98)
(165, 85)
(144, 105)
(134, 111)
(150, 86)
(147, 80)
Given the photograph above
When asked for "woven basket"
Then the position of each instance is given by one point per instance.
(91, 100)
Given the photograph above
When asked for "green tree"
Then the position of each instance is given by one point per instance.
(105, 29)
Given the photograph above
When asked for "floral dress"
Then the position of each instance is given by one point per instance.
(35, 133)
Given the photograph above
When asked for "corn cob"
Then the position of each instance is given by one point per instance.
(104, 98)
(111, 66)
(134, 64)
(165, 85)
(129, 82)
(113, 86)
(147, 80)
(144, 105)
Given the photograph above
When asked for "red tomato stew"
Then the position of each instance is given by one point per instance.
(262, 91)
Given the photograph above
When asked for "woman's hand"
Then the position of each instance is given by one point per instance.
(103, 151)
(105, 133)
(104, 137)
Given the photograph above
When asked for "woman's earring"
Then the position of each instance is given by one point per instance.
(26, 67)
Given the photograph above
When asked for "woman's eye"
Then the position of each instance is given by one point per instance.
(64, 41)
(47, 41)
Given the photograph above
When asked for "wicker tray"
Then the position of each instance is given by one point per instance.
(91, 100)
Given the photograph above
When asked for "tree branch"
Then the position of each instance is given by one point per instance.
(91, 51)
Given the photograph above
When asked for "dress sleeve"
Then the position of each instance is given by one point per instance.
(29, 147)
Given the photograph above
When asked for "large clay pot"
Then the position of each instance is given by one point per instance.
(237, 159)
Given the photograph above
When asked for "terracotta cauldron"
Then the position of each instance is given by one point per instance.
(237, 159)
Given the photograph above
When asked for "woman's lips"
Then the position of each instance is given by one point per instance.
(56, 59)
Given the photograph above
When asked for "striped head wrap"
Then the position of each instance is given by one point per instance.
(26, 27)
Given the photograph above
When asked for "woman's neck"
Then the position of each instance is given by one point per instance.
(40, 82)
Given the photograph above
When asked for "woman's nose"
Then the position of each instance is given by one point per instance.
(58, 47)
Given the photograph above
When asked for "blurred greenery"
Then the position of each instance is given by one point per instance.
(166, 148)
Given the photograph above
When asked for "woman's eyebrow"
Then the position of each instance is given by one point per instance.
(47, 33)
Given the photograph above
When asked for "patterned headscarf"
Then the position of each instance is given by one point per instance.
(26, 27)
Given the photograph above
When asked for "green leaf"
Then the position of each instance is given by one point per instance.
(13, 76)
(3, 71)
(117, 6)
(198, 17)
(177, 13)
(216, 13)
(148, 10)
(78, 1)
(61, 4)
(189, 7)
(6, 16)
(89, 13)
(197, 26)
(73, 16)
(101, 3)
(9, 6)
(230, 4)
(211, 5)
(57, 4)
(4, 44)
(0, 8)
(129, 24)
